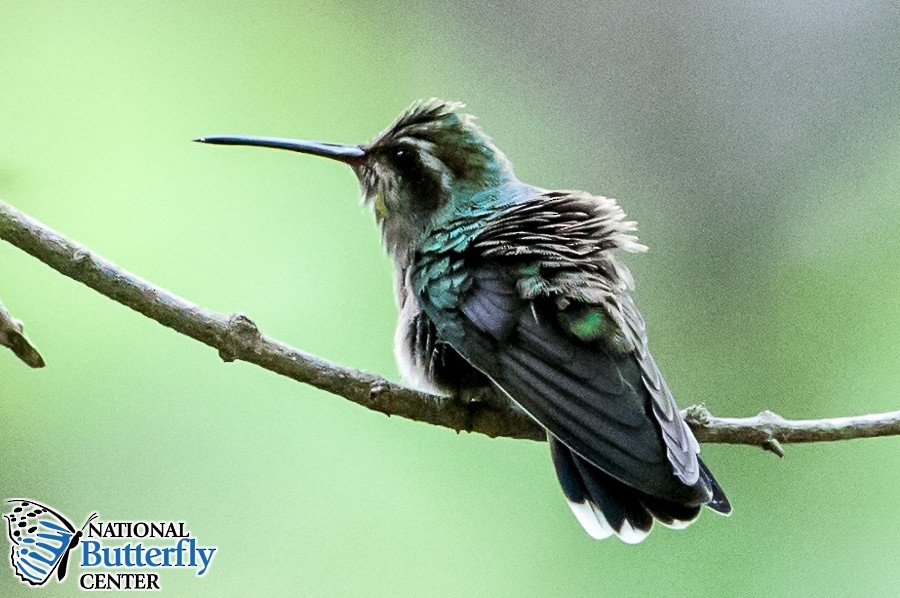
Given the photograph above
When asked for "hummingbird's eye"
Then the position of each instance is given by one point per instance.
(404, 160)
(421, 184)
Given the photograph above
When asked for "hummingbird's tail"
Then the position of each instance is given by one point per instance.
(605, 506)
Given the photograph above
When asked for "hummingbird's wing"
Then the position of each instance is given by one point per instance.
(536, 301)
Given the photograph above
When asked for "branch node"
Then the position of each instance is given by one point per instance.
(697, 415)
(82, 258)
(772, 445)
(770, 417)
(376, 390)
(240, 337)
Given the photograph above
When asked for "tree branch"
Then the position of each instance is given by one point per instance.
(236, 337)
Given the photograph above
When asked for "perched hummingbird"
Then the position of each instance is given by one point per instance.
(509, 287)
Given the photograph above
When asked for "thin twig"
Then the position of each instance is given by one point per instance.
(769, 430)
(12, 336)
(236, 337)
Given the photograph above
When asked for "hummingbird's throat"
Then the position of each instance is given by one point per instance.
(379, 207)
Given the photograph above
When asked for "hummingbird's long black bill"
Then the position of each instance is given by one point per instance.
(335, 151)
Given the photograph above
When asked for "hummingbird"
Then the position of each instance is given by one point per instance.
(510, 290)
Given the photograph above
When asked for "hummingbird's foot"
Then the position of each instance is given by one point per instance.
(476, 400)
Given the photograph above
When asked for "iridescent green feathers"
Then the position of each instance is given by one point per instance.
(425, 167)
(440, 131)
(558, 243)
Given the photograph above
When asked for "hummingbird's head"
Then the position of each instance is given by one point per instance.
(430, 155)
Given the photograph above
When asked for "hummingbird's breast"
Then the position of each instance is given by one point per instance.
(425, 361)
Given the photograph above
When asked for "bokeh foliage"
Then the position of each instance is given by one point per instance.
(756, 143)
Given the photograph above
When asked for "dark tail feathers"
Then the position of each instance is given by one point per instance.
(605, 506)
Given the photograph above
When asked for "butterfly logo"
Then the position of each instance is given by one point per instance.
(41, 540)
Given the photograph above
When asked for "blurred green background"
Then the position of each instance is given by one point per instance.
(757, 144)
